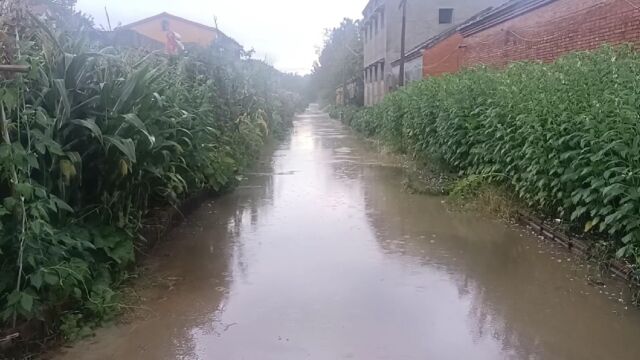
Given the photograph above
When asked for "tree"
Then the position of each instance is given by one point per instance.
(340, 61)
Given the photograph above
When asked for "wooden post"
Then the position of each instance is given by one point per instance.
(403, 4)
(14, 68)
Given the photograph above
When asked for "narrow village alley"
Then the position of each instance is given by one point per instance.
(320, 254)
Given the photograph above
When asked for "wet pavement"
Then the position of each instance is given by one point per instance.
(320, 254)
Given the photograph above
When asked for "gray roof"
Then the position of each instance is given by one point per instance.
(500, 14)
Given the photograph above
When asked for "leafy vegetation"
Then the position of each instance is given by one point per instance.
(565, 137)
(340, 62)
(93, 137)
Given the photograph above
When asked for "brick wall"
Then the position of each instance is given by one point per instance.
(544, 34)
(443, 57)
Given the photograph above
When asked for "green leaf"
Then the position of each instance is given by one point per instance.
(91, 125)
(26, 302)
(9, 97)
(24, 189)
(628, 238)
(63, 99)
(126, 146)
(127, 91)
(134, 120)
(51, 278)
(36, 279)
(10, 203)
(60, 204)
(578, 212)
(5, 150)
(622, 252)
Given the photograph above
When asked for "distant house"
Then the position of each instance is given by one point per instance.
(161, 28)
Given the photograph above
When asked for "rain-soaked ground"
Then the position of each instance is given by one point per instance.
(320, 254)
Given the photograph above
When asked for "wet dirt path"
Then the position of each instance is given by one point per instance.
(320, 254)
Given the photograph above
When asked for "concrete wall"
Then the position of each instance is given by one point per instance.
(543, 34)
(374, 84)
(422, 20)
(412, 70)
(375, 37)
(422, 23)
(374, 41)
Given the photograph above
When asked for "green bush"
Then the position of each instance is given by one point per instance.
(94, 137)
(564, 136)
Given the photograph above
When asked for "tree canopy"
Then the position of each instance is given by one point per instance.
(339, 61)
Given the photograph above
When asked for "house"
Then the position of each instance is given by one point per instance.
(538, 30)
(164, 26)
(381, 32)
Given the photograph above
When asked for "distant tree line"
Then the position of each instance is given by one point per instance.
(340, 63)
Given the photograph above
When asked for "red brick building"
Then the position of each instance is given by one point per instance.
(533, 30)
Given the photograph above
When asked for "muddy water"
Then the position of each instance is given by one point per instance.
(321, 255)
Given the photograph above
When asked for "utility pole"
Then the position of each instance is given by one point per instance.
(403, 5)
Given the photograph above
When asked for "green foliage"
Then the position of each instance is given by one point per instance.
(94, 137)
(340, 60)
(564, 136)
(468, 187)
(343, 113)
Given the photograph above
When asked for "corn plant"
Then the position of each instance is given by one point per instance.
(93, 137)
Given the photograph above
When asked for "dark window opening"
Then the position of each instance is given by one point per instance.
(446, 16)
(165, 25)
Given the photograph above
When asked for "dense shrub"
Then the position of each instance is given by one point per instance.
(565, 136)
(93, 137)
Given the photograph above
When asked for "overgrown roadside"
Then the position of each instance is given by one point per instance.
(560, 140)
(94, 139)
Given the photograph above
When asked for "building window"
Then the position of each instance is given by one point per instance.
(445, 16)
(382, 20)
(365, 35)
(381, 71)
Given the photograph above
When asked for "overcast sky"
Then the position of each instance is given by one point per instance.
(285, 32)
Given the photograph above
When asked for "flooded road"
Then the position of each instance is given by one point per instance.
(320, 254)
